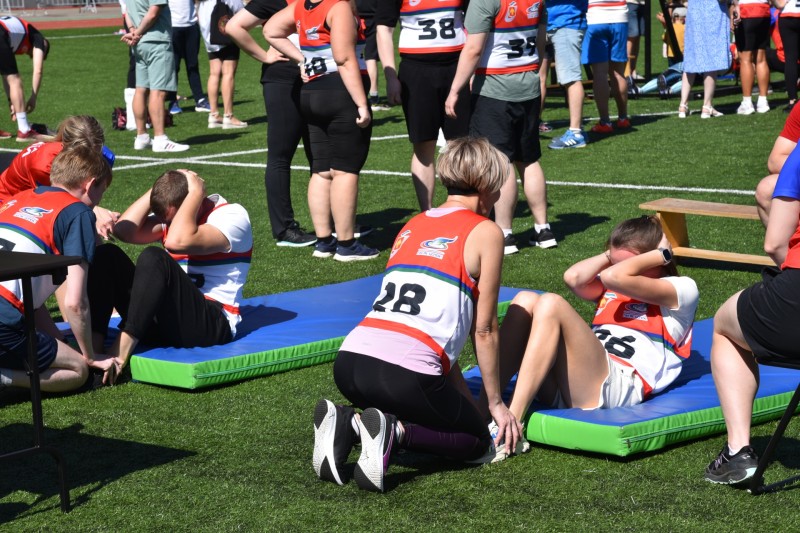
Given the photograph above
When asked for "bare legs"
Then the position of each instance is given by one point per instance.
(423, 173)
(333, 194)
(67, 372)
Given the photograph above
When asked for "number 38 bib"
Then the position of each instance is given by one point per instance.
(431, 26)
(427, 292)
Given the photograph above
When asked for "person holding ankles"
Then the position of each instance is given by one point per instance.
(400, 364)
(759, 321)
(18, 37)
(55, 219)
(280, 83)
(431, 37)
(635, 346)
(334, 103)
(185, 294)
(501, 52)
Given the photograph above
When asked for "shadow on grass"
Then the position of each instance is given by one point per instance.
(387, 224)
(565, 224)
(719, 265)
(381, 120)
(91, 463)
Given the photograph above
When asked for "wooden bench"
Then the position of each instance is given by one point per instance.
(673, 211)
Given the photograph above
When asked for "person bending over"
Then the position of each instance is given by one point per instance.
(759, 321)
(55, 219)
(636, 343)
(185, 294)
(400, 364)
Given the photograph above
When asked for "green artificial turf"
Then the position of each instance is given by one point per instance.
(238, 457)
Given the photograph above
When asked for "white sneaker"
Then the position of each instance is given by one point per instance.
(230, 122)
(141, 144)
(763, 107)
(746, 108)
(214, 120)
(169, 146)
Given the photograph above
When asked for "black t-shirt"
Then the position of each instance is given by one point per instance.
(283, 72)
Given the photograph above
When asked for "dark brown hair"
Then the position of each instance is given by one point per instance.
(169, 190)
(640, 235)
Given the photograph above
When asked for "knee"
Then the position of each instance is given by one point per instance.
(764, 191)
(550, 305)
(526, 300)
(151, 259)
(726, 318)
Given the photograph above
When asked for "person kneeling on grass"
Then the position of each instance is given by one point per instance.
(638, 339)
(186, 294)
(56, 219)
(401, 362)
(760, 321)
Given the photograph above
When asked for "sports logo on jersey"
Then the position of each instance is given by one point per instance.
(32, 214)
(398, 242)
(637, 311)
(604, 301)
(413, 3)
(511, 12)
(312, 34)
(435, 247)
(533, 11)
(5, 206)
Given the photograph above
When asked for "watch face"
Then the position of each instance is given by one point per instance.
(667, 254)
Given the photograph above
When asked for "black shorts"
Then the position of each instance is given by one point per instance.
(228, 53)
(768, 315)
(511, 127)
(424, 91)
(371, 46)
(8, 61)
(752, 34)
(337, 143)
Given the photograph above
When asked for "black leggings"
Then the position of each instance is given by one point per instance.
(789, 28)
(158, 302)
(285, 128)
(437, 417)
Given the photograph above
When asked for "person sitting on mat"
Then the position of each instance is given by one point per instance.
(185, 294)
(400, 364)
(759, 321)
(56, 219)
(636, 343)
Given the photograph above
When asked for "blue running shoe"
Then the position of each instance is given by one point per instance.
(202, 106)
(323, 249)
(355, 252)
(570, 139)
(174, 108)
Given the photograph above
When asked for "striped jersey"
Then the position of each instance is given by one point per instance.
(511, 45)
(315, 39)
(607, 12)
(754, 9)
(431, 26)
(19, 34)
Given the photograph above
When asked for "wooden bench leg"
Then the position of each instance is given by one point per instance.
(674, 225)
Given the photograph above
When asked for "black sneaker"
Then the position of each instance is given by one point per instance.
(333, 439)
(730, 469)
(355, 252)
(543, 239)
(663, 88)
(296, 237)
(377, 440)
(324, 249)
(510, 245)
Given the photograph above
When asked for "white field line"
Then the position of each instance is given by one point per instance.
(209, 160)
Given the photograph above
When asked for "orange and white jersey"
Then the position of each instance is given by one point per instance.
(607, 12)
(791, 9)
(652, 339)
(221, 276)
(511, 45)
(431, 26)
(19, 35)
(315, 38)
(754, 9)
(427, 293)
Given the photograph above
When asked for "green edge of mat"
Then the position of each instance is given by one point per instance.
(230, 369)
(643, 436)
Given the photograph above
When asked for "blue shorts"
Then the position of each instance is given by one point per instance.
(567, 48)
(636, 14)
(604, 43)
(14, 348)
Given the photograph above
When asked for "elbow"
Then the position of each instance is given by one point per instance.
(175, 244)
(773, 249)
(572, 278)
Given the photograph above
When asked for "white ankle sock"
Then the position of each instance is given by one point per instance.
(22, 122)
(540, 227)
(507, 232)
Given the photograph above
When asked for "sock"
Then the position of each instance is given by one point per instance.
(373, 95)
(327, 240)
(747, 100)
(762, 100)
(731, 453)
(575, 130)
(5, 380)
(506, 232)
(22, 122)
(142, 137)
(160, 138)
(348, 243)
(540, 227)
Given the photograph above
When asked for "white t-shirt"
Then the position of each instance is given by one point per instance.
(204, 9)
(183, 13)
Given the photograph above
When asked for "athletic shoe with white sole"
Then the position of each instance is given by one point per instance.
(377, 440)
(745, 108)
(296, 237)
(323, 249)
(762, 107)
(333, 440)
(543, 239)
(202, 106)
(510, 245)
(501, 453)
(355, 252)
(141, 144)
(730, 469)
(165, 145)
(570, 139)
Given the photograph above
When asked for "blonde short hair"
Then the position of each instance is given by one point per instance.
(81, 129)
(471, 165)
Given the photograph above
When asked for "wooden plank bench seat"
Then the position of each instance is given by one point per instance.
(673, 211)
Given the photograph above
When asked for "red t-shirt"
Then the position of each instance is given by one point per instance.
(791, 129)
(29, 169)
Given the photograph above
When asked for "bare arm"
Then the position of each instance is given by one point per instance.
(185, 235)
(384, 36)
(136, 33)
(582, 277)
(36, 78)
(467, 62)
(136, 225)
(277, 30)
(238, 29)
(343, 45)
(628, 277)
(780, 152)
(76, 308)
(783, 220)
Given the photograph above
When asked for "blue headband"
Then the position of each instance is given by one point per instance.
(109, 155)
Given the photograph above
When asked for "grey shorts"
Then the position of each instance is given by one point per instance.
(567, 47)
(155, 66)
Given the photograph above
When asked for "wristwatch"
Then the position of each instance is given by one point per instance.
(666, 253)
